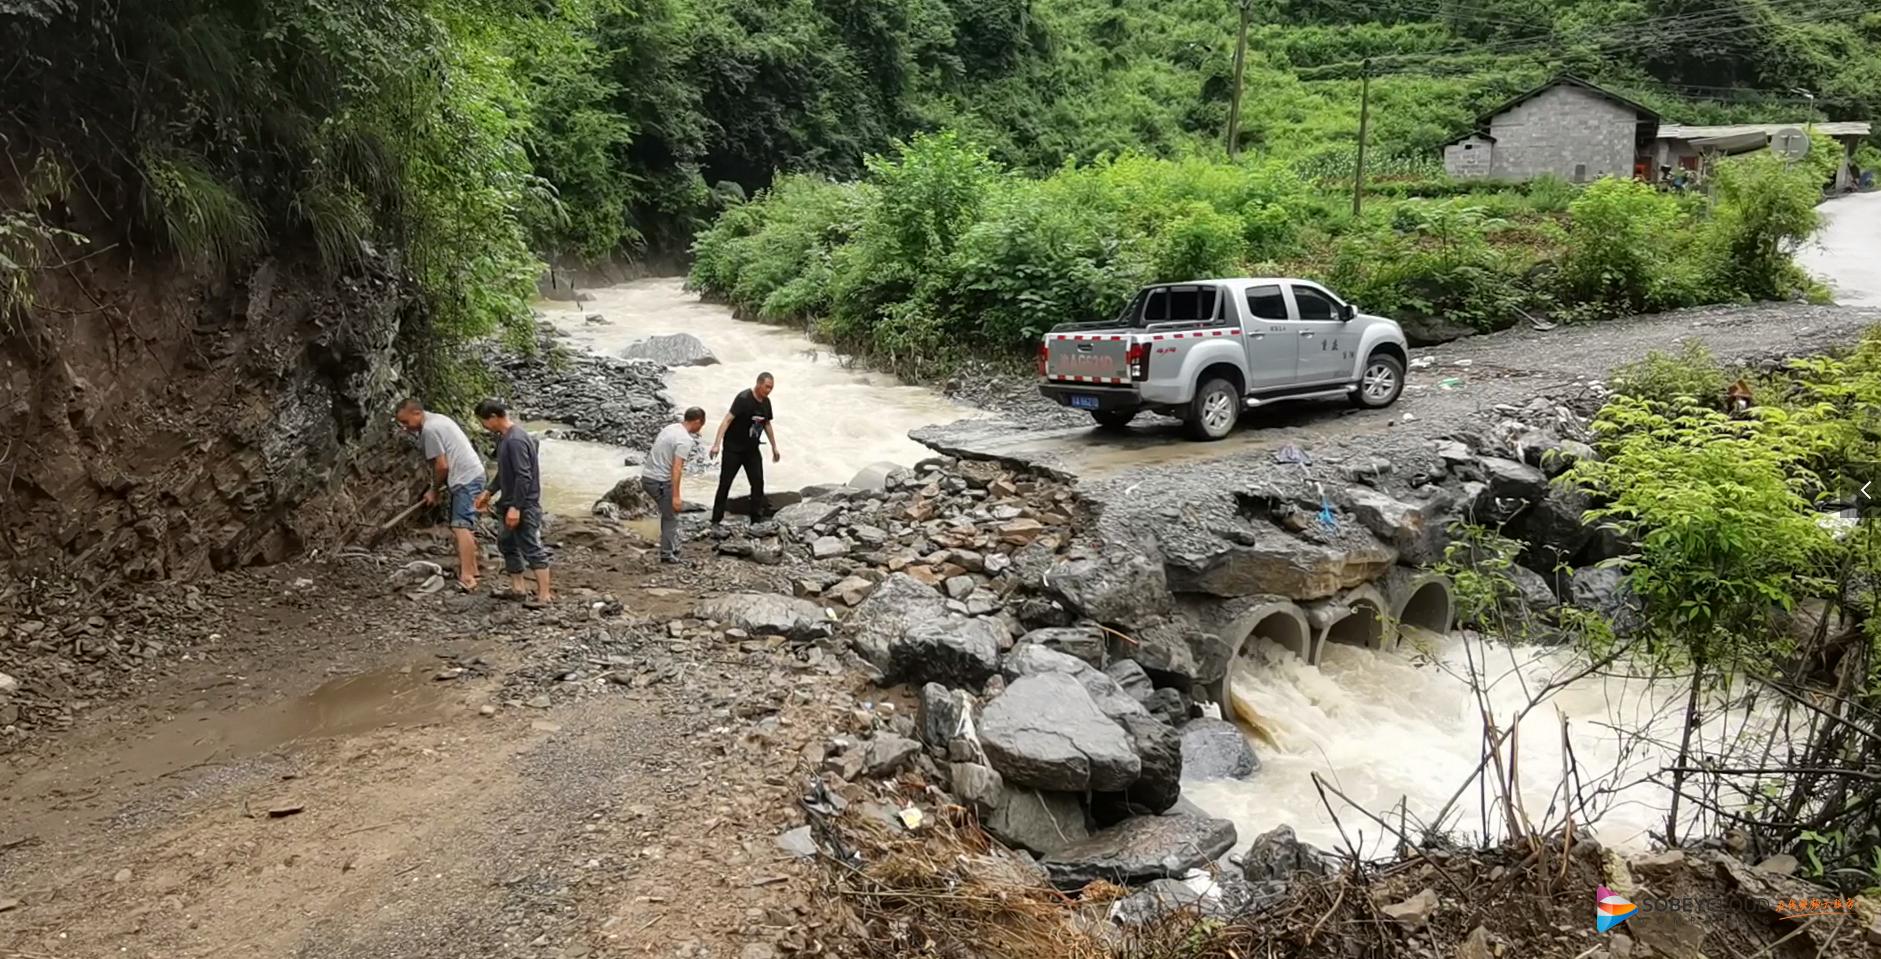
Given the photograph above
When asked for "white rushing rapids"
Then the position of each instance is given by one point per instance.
(1404, 725)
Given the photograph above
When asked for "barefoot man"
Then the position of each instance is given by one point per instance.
(519, 482)
(457, 471)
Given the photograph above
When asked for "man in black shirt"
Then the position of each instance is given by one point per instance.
(519, 480)
(738, 436)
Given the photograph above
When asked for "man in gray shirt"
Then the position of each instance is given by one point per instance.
(457, 470)
(661, 472)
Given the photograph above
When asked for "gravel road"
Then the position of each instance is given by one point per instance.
(1452, 386)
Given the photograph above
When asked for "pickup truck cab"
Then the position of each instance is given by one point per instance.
(1203, 351)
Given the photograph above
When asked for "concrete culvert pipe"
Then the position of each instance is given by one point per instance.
(1276, 620)
(1360, 617)
(1421, 600)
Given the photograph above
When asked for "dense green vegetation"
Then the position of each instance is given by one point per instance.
(1083, 173)
(472, 139)
(1730, 514)
(941, 251)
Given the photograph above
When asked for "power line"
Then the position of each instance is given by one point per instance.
(1699, 27)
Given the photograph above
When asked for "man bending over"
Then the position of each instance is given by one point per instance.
(458, 471)
(660, 476)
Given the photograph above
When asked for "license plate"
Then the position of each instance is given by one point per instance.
(1084, 402)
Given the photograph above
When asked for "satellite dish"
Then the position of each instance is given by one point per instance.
(1790, 142)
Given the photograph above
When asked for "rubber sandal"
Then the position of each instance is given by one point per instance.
(511, 595)
(534, 603)
(463, 587)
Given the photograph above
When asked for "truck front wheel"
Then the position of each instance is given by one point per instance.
(1113, 419)
(1381, 382)
(1214, 411)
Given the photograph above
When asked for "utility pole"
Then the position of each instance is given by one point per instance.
(1365, 122)
(1234, 101)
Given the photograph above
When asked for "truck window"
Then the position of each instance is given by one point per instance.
(1313, 304)
(1266, 303)
(1181, 304)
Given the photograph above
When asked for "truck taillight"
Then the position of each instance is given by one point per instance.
(1137, 356)
(1044, 355)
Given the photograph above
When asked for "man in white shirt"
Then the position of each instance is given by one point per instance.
(661, 472)
(456, 470)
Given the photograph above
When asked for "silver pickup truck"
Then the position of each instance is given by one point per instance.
(1203, 351)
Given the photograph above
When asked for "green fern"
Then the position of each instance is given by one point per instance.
(202, 218)
(337, 216)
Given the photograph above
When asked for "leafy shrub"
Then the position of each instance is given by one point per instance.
(1550, 194)
(1197, 243)
(925, 197)
(1766, 207)
(1433, 260)
(1046, 253)
(1625, 242)
(1693, 375)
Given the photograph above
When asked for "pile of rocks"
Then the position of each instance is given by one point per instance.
(968, 529)
(67, 650)
(597, 398)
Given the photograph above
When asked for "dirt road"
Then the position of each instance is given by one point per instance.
(322, 780)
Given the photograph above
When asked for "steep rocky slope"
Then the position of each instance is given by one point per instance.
(161, 422)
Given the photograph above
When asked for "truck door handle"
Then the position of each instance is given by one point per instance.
(1306, 332)
(1257, 336)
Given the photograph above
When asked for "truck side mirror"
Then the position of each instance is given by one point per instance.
(1348, 312)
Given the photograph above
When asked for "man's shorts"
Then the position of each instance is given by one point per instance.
(464, 504)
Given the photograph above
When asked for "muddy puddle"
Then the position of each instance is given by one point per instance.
(85, 784)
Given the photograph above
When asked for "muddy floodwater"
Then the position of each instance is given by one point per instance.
(832, 419)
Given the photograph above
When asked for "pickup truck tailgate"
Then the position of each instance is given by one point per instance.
(1088, 357)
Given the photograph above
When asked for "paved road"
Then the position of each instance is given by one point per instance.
(1848, 250)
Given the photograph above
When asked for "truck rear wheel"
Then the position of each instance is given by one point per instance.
(1113, 419)
(1214, 411)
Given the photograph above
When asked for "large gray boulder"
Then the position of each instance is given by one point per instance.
(896, 606)
(1159, 748)
(1169, 705)
(671, 349)
(1129, 675)
(1162, 649)
(1140, 850)
(1509, 479)
(1045, 732)
(1084, 642)
(1271, 560)
(1043, 822)
(1554, 528)
(807, 513)
(768, 613)
(1532, 588)
(627, 500)
(956, 651)
(1216, 749)
(1035, 660)
(874, 477)
(1277, 855)
(1605, 591)
(941, 714)
(1120, 586)
(1414, 528)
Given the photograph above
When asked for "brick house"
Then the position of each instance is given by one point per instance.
(1567, 127)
